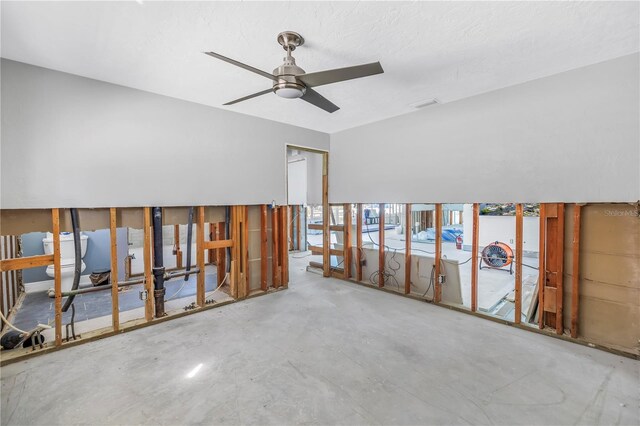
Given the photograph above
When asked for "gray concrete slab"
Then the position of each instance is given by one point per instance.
(324, 352)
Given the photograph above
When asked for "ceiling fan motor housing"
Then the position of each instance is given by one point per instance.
(288, 86)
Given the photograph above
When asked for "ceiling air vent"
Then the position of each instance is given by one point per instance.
(423, 104)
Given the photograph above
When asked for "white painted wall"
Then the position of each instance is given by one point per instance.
(503, 229)
(297, 181)
(314, 175)
(314, 178)
(571, 137)
(115, 146)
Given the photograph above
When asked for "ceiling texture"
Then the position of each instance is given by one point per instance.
(442, 50)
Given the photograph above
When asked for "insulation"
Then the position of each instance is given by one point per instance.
(609, 309)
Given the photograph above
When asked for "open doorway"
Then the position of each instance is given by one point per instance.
(307, 201)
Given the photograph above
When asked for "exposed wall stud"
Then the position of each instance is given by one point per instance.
(300, 210)
(200, 285)
(381, 253)
(57, 279)
(575, 270)
(115, 311)
(518, 278)
(407, 248)
(541, 265)
(359, 243)
(474, 257)
(275, 272)
(284, 244)
(215, 236)
(176, 244)
(246, 274)
(347, 241)
(263, 248)
(552, 309)
(148, 276)
(12, 274)
(326, 235)
(236, 260)
(221, 257)
(560, 284)
(437, 296)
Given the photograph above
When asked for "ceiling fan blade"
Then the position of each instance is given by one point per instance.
(241, 65)
(320, 78)
(318, 100)
(254, 95)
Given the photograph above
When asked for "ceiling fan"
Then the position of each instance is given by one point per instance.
(290, 81)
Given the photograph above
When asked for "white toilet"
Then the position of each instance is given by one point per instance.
(67, 256)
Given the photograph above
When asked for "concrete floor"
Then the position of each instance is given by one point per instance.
(324, 352)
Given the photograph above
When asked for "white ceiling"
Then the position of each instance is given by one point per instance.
(443, 50)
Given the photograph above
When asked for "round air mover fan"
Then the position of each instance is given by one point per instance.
(497, 255)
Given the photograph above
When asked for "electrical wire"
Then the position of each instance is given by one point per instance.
(334, 268)
(11, 325)
(302, 257)
(218, 288)
(433, 271)
(178, 291)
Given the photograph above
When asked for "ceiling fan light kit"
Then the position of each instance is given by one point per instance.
(289, 81)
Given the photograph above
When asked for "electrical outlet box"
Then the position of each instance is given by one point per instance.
(441, 279)
(144, 295)
(363, 262)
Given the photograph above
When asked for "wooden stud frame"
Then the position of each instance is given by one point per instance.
(474, 257)
(575, 270)
(518, 278)
(284, 261)
(541, 265)
(115, 310)
(214, 236)
(326, 234)
(57, 272)
(560, 248)
(217, 243)
(290, 229)
(347, 241)
(553, 289)
(275, 265)
(237, 266)
(325, 226)
(176, 243)
(381, 253)
(246, 270)
(263, 248)
(359, 243)
(557, 239)
(148, 275)
(407, 248)
(437, 294)
(200, 249)
(221, 257)
(26, 262)
(300, 210)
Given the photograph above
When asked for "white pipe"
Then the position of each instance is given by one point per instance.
(11, 325)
